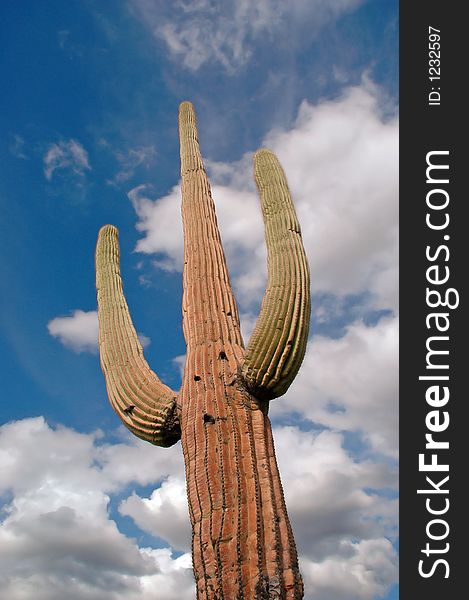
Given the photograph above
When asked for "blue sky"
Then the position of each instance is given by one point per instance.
(89, 115)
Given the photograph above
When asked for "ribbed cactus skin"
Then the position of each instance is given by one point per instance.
(146, 406)
(278, 343)
(242, 542)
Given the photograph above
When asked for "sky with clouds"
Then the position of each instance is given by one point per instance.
(89, 116)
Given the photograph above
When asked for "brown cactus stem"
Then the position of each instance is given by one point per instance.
(278, 343)
(242, 542)
(145, 405)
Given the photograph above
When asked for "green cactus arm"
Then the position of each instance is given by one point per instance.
(145, 405)
(278, 343)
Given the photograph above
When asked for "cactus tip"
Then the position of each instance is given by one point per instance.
(262, 152)
(186, 103)
(263, 158)
(108, 229)
(186, 108)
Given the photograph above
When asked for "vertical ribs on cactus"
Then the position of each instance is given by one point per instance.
(242, 541)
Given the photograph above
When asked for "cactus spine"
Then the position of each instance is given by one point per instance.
(242, 542)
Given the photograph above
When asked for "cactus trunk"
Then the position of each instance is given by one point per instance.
(242, 541)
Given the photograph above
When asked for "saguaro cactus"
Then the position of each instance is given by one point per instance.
(242, 542)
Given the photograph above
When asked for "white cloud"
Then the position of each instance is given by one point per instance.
(351, 384)
(248, 322)
(180, 363)
(57, 537)
(327, 492)
(164, 514)
(79, 331)
(173, 580)
(135, 460)
(341, 162)
(360, 571)
(162, 228)
(66, 155)
(198, 32)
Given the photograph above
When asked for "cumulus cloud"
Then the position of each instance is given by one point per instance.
(341, 163)
(352, 573)
(66, 155)
(173, 579)
(79, 331)
(327, 492)
(163, 230)
(351, 384)
(164, 514)
(57, 535)
(341, 160)
(198, 31)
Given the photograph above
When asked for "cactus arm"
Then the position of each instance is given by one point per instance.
(278, 343)
(145, 405)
